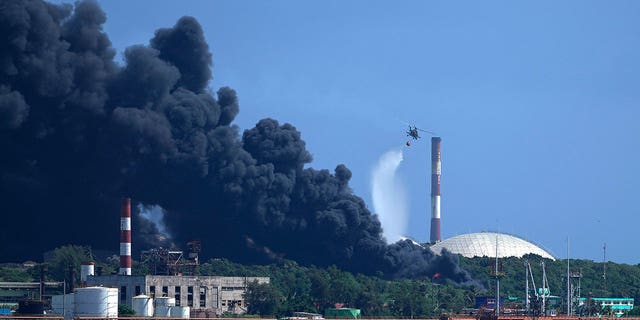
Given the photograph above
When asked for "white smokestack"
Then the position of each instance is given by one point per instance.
(436, 168)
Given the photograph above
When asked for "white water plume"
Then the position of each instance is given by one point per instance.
(389, 196)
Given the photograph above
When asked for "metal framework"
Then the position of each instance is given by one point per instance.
(162, 261)
(574, 289)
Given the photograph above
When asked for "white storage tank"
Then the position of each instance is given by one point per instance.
(165, 302)
(143, 306)
(63, 304)
(86, 270)
(98, 302)
(180, 312)
(162, 311)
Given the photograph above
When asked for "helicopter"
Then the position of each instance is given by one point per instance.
(413, 133)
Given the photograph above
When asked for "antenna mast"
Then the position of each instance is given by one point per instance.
(604, 268)
(568, 282)
(544, 287)
(526, 290)
(497, 282)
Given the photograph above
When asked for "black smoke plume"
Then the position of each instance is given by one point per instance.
(78, 132)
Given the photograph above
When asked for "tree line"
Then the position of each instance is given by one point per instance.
(312, 289)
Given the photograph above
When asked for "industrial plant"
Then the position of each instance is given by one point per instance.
(167, 292)
(481, 244)
(538, 300)
(174, 289)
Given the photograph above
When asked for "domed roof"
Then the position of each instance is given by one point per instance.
(483, 244)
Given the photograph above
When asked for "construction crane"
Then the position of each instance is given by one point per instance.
(529, 274)
(540, 294)
(545, 288)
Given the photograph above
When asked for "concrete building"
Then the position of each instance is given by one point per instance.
(207, 296)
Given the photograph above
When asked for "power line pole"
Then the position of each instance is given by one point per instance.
(568, 282)
(604, 268)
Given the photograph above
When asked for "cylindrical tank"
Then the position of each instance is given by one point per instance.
(86, 269)
(30, 307)
(142, 306)
(165, 302)
(63, 304)
(180, 312)
(96, 302)
(162, 311)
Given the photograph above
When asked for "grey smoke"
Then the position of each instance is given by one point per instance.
(80, 132)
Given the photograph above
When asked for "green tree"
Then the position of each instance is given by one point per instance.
(262, 299)
(14, 275)
(451, 299)
(139, 269)
(370, 298)
(66, 257)
(320, 288)
(125, 311)
(635, 312)
(409, 299)
(295, 287)
(343, 287)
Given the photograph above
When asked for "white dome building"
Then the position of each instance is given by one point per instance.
(483, 244)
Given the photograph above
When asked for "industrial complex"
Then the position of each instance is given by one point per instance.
(174, 289)
(481, 244)
(203, 296)
(501, 245)
(165, 293)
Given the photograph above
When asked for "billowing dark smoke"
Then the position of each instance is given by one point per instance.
(78, 132)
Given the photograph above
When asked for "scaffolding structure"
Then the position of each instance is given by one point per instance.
(162, 261)
(574, 289)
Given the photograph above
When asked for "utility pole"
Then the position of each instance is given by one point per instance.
(497, 272)
(545, 291)
(604, 268)
(526, 278)
(64, 296)
(568, 282)
(497, 283)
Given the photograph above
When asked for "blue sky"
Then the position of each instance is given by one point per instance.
(536, 102)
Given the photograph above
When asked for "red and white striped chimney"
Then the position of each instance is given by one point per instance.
(125, 237)
(436, 167)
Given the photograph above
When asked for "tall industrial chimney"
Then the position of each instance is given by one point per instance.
(435, 189)
(125, 237)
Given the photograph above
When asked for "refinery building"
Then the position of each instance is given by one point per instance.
(206, 296)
